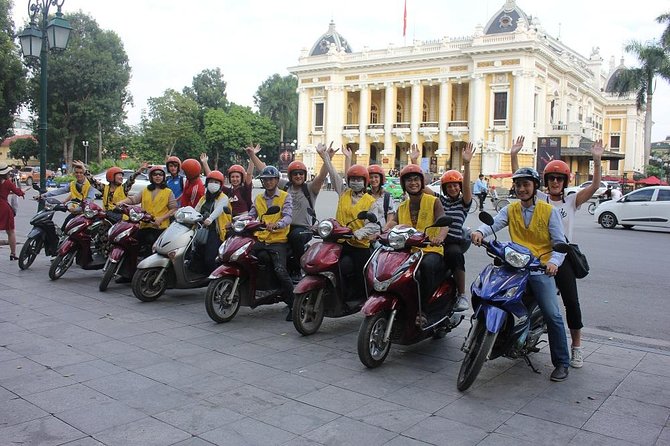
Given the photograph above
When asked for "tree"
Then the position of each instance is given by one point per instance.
(23, 149)
(641, 81)
(12, 73)
(88, 86)
(208, 89)
(276, 98)
(665, 37)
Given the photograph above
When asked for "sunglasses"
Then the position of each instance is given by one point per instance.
(555, 178)
(156, 174)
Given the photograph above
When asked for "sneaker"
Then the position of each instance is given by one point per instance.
(577, 359)
(559, 374)
(462, 304)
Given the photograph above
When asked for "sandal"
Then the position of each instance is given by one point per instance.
(12, 257)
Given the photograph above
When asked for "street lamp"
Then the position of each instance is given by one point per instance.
(34, 40)
(85, 144)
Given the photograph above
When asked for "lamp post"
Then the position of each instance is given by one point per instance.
(85, 144)
(34, 40)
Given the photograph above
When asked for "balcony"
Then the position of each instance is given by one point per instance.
(458, 125)
(376, 127)
(561, 129)
(429, 125)
(401, 125)
(500, 123)
(351, 127)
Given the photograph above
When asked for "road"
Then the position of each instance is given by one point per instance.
(625, 293)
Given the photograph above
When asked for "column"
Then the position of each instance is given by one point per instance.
(443, 118)
(389, 118)
(518, 105)
(334, 115)
(363, 118)
(477, 108)
(303, 118)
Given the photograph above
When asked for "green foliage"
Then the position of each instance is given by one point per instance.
(654, 170)
(12, 73)
(208, 89)
(24, 149)
(109, 162)
(64, 179)
(276, 98)
(665, 37)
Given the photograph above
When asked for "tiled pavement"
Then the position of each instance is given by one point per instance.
(79, 367)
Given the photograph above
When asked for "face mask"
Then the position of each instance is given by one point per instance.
(356, 185)
(213, 187)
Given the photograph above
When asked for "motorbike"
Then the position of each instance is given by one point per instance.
(167, 266)
(44, 234)
(242, 279)
(393, 311)
(322, 291)
(124, 245)
(86, 239)
(507, 320)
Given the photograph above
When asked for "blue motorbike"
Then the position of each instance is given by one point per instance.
(507, 320)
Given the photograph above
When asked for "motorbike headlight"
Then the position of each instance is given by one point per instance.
(511, 292)
(187, 216)
(134, 216)
(397, 240)
(515, 258)
(325, 228)
(74, 207)
(90, 213)
(123, 234)
(239, 225)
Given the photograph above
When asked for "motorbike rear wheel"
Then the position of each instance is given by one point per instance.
(108, 275)
(475, 358)
(61, 264)
(143, 287)
(29, 252)
(220, 304)
(308, 309)
(372, 350)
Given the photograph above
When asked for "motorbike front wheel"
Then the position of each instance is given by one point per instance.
(372, 350)
(29, 252)
(308, 309)
(61, 264)
(220, 303)
(475, 357)
(143, 284)
(109, 274)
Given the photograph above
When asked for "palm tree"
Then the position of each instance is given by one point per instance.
(665, 37)
(277, 99)
(654, 62)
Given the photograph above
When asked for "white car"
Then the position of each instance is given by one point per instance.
(436, 186)
(601, 189)
(141, 181)
(649, 206)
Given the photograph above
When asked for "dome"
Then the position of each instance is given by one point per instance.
(506, 19)
(611, 85)
(323, 43)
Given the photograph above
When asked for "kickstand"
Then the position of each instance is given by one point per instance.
(530, 364)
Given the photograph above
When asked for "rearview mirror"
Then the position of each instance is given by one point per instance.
(272, 210)
(563, 248)
(486, 218)
(369, 216)
(443, 221)
(226, 210)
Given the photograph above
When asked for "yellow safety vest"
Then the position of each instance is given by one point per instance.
(347, 211)
(426, 218)
(222, 220)
(118, 195)
(278, 235)
(536, 236)
(156, 206)
(74, 194)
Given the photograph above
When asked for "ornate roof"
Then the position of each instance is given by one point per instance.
(610, 86)
(330, 39)
(506, 19)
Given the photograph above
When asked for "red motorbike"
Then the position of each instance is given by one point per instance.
(322, 290)
(124, 249)
(393, 311)
(242, 279)
(86, 240)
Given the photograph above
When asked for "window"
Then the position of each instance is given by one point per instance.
(615, 141)
(500, 106)
(641, 195)
(352, 116)
(614, 164)
(424, 116)
(374, 114)
(398, 112)
(663, 195)
(318, 116)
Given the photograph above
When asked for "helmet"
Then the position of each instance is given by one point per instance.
(173, 159)
(557, 167)
(111, 173)
(215, 175)
(528, 173)
(296, 165)
(451, 176)
(156, 169)
(358, 171)
(191, 168)
(236, 168)
(379, 171)
(269, 172)
(410, 169)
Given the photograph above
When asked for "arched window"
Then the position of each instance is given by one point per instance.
(374, 114)
(424, 115)
(351, 114)
(398, 112)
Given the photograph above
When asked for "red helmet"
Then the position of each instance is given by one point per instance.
(111, 173)
(379, 171)
(215, 175)
(236, 168)
(296, 165)
(409, 170)
(557, 167)
(191, 168)
(173, 159)
(451, 176)
(358, 171)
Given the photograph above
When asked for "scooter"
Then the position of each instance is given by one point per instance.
(393, 311)
(242, 279)
(124, 245)
(322, 290)
(507, 320)
(167, 267)
(44, 234)
(86, 239)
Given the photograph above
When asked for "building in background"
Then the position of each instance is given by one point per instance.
(509, 78)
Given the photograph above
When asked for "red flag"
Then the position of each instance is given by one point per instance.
(404, 20)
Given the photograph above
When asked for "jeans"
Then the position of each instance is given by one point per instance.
(544, 291)
(298, 236)
(482, 199)
(352, 266)
(276, 253)
(567, 284)
(431, 273)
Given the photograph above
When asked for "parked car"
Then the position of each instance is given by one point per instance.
(649, 206)
(436, 186)
(601, 189)
(141, 181)
(31, 174)
(392, 186)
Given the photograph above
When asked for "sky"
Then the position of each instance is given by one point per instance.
(168, 42)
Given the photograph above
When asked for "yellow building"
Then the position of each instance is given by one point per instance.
(509, 78)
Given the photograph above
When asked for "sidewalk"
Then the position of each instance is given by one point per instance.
(80, 367)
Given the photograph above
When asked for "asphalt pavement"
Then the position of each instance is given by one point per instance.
(80, 367)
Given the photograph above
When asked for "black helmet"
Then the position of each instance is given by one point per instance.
(529, 173)
(269, 172)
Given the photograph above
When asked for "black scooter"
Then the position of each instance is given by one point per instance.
(45, 233)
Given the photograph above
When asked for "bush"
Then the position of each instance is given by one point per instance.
(63, 179)
(108, 162)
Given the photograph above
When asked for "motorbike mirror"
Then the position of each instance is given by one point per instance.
(36, 186)
(226, 210)
(272, 210)
(563, 248)
(369, 216)
(486, 218)
(443, 221)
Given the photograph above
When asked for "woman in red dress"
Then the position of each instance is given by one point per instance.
(6, 211)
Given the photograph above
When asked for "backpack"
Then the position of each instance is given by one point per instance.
(305, 190)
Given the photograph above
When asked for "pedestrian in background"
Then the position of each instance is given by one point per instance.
(7, 213)
(480, 189)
